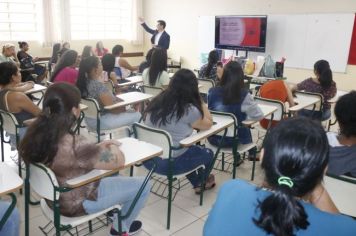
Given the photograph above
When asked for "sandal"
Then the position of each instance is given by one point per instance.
(210, 183)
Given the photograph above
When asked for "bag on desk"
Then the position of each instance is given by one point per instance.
(27, 63)
(279, 69)
(269, 68)
(249, 67)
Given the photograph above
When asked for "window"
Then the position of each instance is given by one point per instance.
(100, 19)
(21, 20)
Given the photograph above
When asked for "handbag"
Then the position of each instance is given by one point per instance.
(27, 63)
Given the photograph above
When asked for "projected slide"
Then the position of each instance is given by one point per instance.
(237, 31)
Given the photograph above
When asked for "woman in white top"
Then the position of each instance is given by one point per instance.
(156, 75)
(122, 63)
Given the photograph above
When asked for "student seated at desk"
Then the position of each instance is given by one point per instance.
(27, 62)
(276, 90)
(145, 64)
(293, 200)
(208, 71)
(9, 54)
(90, 72)
(87, 52)
(156, 75)
(13, 100)
(178, 110)
(12, 225)
(323, 83)
(122, 63)
(65, 70)
(231, 96)
(108, 61)
(54, 58)
(51, 141)
(100, 50)
(342, 156)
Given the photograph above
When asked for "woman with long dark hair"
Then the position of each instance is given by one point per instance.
(90, 86)
(178, 110)
(293, 200)
(54, 58)
(108, 61)
(231, 96)
(50, 140)
(208, 71)
(156, 75)
(322, 83)
(65, 70)
(87, 52)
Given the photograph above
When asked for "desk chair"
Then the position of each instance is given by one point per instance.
(317, 107)
(151, 90)
(10, 124)
(274, 117)
(44, 182)
(237, 149)
(163, 139)
(206, 85)
(94, 112)
(342, 190)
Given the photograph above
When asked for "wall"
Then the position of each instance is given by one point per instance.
(182, 24)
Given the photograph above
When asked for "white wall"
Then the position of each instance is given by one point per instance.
(182, 25)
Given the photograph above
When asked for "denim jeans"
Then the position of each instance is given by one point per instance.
(189, 160)
(113, 121)
(119, 190)
(12, 225)
(244, 137)
(315, 115)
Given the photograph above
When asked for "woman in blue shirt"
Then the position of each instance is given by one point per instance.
(231, 96)
(294, 201)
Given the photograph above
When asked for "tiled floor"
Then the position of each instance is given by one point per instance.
(188, 217)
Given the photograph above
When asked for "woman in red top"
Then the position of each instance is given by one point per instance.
(276, 90)
(100, 50)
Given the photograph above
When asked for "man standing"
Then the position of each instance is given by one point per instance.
(159, 38)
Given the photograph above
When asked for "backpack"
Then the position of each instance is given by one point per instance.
(269, 68)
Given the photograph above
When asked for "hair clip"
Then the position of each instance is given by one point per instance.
(284, 180)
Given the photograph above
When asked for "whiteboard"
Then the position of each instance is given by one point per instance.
(301, 38)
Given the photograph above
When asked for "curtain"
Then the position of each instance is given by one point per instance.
(137, 31)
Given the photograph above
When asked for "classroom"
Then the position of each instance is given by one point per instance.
(157, 118)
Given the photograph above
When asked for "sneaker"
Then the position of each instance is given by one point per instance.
(135, 227)
(113, 232)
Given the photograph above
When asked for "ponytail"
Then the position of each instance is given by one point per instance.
(85, 67)
(322, 68)
(294, 161)
(40, 143)
(281, 214)
(212, 60)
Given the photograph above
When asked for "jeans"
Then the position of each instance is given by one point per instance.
(113, 121)
(189, 160)
(119, 190)
(244, 137)
(315, 115)
(12, 225)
